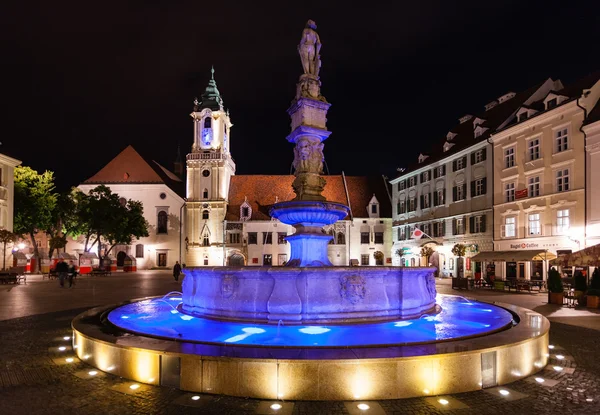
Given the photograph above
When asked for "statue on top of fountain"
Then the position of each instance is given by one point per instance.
(309, 48)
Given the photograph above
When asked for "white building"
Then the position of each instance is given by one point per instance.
(7, 188)
(540, 178)
(448, 195)
(132, 176)
(591, 130)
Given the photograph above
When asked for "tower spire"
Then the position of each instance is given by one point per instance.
(211, 97)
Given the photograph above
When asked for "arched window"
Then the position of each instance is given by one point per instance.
(208, 122)
(205, 194)
(205, 214)
(162, 222)
(341, 239)
(412, 262)
(139, 251)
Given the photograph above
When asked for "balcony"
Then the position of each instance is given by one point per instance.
(206, 156)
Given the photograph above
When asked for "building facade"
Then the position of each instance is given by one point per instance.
(591, 130)
(448, 193)
(7, 188)
(132, 176)
(539, 178)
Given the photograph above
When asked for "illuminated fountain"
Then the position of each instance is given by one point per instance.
(310, 330)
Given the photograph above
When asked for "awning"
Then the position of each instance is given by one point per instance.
(514, 256)
(587, 257)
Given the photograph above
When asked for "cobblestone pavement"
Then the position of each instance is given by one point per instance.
(36, 379)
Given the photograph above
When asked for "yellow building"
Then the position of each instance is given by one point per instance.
(539, 179)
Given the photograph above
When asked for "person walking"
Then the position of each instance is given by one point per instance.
(72, 273)
(176, 270)
(62, 269)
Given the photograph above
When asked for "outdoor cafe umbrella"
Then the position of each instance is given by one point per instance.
(588, 257)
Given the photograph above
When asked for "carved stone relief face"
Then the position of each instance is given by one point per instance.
(431, 286)
(304, 149)
(229, 284)
(352, 288)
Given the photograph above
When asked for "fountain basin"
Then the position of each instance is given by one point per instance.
(309, 214)
(298, 295)
(325, 373)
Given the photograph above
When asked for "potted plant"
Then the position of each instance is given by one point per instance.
(593, 294)
(400, 254)
(426, 253)
(379, 257)
(555, 287)
(580, 286)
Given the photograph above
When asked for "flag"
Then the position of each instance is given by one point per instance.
(416, 234)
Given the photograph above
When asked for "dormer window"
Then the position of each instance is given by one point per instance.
(524, 114)
(245, 211)
(447, 146)
(506, 97)
(450, 136)
(479, 130)
(553, 100)
(373, 208)
(465, 118)
(491, 105)
(477, 121)
(422, 157)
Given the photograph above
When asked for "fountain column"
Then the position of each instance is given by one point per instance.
(309, 211)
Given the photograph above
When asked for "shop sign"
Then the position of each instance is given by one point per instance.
(524, 246)
(472, 248)
(521, 194)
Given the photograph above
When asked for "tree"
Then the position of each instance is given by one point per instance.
(426, 252)
(101, 216)
(459, 250)
(6, 237)
(35, 201)
(62, 214)
(379, 257)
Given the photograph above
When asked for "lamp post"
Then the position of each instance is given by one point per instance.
(180, 226)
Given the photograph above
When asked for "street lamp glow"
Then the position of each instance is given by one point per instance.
(62, 348)
(69, 360)
(134, 386)
(92, 373)
(558, 368)
(560, 357)
(539, 380)
(66, 338)
(363, 406)
(504, 392)
(443, 401)
(276, 407)
(195, 398)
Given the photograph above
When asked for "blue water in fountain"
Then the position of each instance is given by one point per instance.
(459, 318)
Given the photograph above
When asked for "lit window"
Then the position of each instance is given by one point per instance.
(425, 176)
(281, 238)
(411, 182)
(460, 192)
(534, 149)
(267, 259)
(480, 187)
(401, 185)
(425, 199)
(534, 224)
(562, 140)
(509, 192)
(562, 180)
(477, 224)
(460, 164)
(510, 227)
(401, 207)
(478, 158)
(509, 157)
(562, 221)
(412, 204)
(533, 184)
(460, 226)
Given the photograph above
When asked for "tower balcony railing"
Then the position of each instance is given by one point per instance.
(206, 156)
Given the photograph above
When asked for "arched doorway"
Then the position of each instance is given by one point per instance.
(236, 260)
(435, 261)
(121, 258)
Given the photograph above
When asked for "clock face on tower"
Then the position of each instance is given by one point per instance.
(206, 137)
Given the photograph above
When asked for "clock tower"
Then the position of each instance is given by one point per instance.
(209, 169)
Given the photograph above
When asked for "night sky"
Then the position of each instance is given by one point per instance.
(82, 80)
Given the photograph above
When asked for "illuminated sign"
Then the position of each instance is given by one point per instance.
(524, 246)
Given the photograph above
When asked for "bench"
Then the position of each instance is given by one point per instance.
(12, 278)
(100, 271)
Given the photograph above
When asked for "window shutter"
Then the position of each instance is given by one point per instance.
(443, 228)
(473, 188)
(453, 165)
(444, 195)
(435, 173)
(429, 200)
(398, 208)
(444, 170)
(484, 185)
(472, 224)
(454, 195)
(464, 161)
(454, 226)
(472, 158)
(483, 217)
(464, 190)
(421, 178)
(422, 202)
(435, 199)
(483, 154)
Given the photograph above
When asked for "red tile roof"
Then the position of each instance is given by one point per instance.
(131, 167)
(261, 192)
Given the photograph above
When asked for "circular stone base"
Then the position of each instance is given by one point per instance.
(318, 374)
